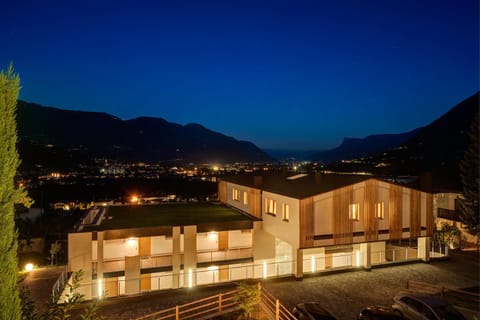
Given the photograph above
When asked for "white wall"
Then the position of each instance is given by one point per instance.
(207, 241)
(161, 245)
(240, 239)
(120, 248)
(287, 231)
(240, 203)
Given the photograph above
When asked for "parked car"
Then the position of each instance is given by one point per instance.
(424, 307)
(379, 313)
(311, 311)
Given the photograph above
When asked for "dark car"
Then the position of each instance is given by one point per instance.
(424, 307)
(379, 313)
(311, 311)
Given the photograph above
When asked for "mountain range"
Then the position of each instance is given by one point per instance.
(55, 137)
(102, 135)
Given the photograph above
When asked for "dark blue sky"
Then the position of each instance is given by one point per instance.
(282, 74)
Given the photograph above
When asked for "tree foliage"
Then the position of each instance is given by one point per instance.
(247, 298)
(469, 174)
(10, 305)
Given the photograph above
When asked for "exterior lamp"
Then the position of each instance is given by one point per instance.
(29, 267)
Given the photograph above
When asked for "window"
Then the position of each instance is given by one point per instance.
(286, 212)
(235, 194)
(354, 211)
(245, 198)
(270, 206)
(380, 210)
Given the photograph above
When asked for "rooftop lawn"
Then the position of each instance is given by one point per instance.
(137, 216)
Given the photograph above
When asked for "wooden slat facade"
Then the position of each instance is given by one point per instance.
(342, 224)
(415, 213)
(429, 212)
(306, 223)
(223, 240)
(395, 208)
(370, 220)
(144, 246)
(255, 203)
(222, 191)
(146, 282)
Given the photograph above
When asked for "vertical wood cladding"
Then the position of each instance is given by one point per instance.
(306, 223)
(222, 191)
(223, 240)
(395, 208)
(370, 220)
(415, 213)
(342, 225)
(255, 202)
(144, 246)
(429, 213)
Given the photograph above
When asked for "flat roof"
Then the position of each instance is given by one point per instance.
(161, 215)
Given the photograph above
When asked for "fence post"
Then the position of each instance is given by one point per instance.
(277, 310)
(220, 302)
(177, 313)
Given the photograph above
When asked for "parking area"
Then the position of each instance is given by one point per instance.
(344, 294)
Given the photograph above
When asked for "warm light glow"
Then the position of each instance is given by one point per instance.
(190, 278)
(212, 268)
(354, 211)
(29, 267)
(132, 242)
(213, 235)
(104, 204)
(314, 267)
(215, 168)
(134, 199)
(380, 210)
(264, 269)
(357, 258)
(100, 288)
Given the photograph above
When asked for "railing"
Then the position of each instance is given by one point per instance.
(458, 298)
(59, 285)
(197, 309)
(222, 255)
(219, 304)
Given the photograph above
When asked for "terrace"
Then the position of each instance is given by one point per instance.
(143, 216)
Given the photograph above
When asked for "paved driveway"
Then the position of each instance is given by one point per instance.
(343, 293)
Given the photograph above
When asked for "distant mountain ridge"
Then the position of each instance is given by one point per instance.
(141, 139)
(436, 148)
(352, 148)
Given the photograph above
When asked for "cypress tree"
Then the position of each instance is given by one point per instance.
(10, 306)
(469, 175)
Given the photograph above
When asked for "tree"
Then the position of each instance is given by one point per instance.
(9, 195)
(247, 298)
(54, 250)
(469, 175)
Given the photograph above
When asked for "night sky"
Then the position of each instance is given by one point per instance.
(282, 74)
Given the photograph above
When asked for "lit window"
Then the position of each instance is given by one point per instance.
(380, 210)
(235, 194)
(270, 206)
(354, 211)
(245, 198)
(286, 212)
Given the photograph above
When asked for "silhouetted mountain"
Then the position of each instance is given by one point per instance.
(352, 148)
(285, 155)
(437, 148)
(142, 139)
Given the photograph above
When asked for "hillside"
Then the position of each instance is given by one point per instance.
(102, 135)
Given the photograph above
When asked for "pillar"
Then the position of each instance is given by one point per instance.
(299, 268)
(423, 248)
(365, 255)
(176, 257)
(190, 255)
(132, 275)
(99, 289)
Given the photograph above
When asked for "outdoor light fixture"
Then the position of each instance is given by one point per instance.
(29, 267)
(134, 199)
(357, 258)
(212, 235)
(313, 264)
(131, 242)
(100, 288)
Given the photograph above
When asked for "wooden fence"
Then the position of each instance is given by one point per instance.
(219, 304)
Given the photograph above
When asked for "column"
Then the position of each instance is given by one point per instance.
(99, 290)
(299, 268)
(423, 248)
(365, 255)
(176, 257)
(190, 255)
(132, 275)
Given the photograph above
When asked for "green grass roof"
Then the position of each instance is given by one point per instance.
(138, 216)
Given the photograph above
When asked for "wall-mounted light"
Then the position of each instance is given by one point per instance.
(212, 235)
(313, 264)
(28, 267)
(132, 242)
